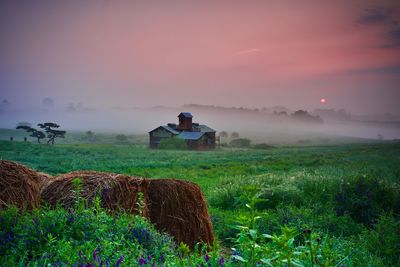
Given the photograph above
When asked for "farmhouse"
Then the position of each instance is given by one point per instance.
(197, 136)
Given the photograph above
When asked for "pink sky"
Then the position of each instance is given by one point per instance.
(230, 53)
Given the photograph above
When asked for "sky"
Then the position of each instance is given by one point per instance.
(104, 54)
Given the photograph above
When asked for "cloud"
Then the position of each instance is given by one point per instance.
(247, 51)
(376, 15)
(394, 36)
(379, 70)
(384, 17)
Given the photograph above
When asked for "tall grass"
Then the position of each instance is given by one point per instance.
(321, 188)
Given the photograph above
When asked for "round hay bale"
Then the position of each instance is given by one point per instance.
(19, 185)
(46, 179)
(116, 191)
(179, 208)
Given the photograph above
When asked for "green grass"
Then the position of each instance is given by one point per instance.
(301, 187)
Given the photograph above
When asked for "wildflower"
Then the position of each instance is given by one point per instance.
(119, 261)
(206, 258)
(95, 252)
(71, 219)
(221, 261)
(142, 261)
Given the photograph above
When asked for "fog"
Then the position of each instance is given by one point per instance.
(258, 125)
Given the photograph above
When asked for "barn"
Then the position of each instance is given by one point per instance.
(197, 136)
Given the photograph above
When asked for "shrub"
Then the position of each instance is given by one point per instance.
(384, 240)
(173, 143)
(240, 142)
(121, 138)
(262, 146)
(364, 199)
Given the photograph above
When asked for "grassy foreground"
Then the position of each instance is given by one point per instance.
(303, 206)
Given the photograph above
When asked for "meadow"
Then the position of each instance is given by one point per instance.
(332, 205)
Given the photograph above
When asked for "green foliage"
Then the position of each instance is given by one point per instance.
(121, 138)
(173, 144)
(290, 248)
(87, 238)
(384, 239)
(365, 198)
(294, 187)
(263, 146)
(240, 142)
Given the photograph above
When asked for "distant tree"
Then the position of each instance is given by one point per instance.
(52, 134)
(235, 135)
(240, 142)
(34, 133)
(5, 102)
(223, 134)
(304, 116)
(121, 137)
(47, 102)
(262, 146)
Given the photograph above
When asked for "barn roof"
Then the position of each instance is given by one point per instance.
(191, 135)
(169, 129)
(186, 114)
(204, 128)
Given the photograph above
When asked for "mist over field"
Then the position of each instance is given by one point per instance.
(265, 125)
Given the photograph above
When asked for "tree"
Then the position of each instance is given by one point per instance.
(47, 102)
(34, 133)
(121, 138)
(52, 134)
(223, 134)
(240, 142)
(235, 135)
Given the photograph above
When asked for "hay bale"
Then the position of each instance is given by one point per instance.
(46, 179)
(19, 185)
(116, 191)
(179, 208)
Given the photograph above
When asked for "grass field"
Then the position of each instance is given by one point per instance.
(347, 193)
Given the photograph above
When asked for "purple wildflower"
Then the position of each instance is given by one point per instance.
(221, 261)
(95, 252)
(206, 258)
(142, 261)
(119, 261)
